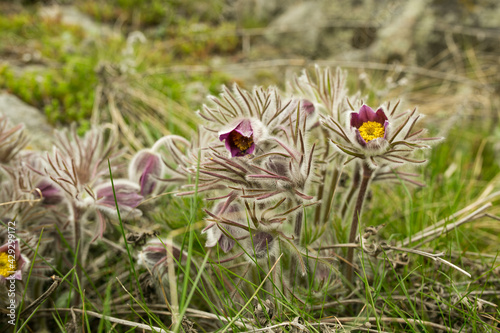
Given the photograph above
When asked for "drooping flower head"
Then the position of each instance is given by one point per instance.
(49, 192)
(127, 196)
(239, 139)
(369, 125)
(225, 226)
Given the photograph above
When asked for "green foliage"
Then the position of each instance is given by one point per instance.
(146, 13)
(65, 95)
(59, 75)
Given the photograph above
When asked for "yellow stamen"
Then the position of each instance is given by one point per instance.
(371, 130)
(7, 267)
(240, 141)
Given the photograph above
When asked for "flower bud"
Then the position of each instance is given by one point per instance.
(50, 193)
(145, 169)
(127, 197)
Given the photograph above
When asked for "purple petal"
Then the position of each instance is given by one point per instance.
(250, 150)
(244, 129)
(235, 151)
(386, 123)
(50, 193)
(380, 116)
(360, 138)
(307, 107)
(366, 113)
(146, 168)
(126, 195)
(355, 121)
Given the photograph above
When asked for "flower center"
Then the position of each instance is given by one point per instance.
(371, 130)
(240, 141)
(7, 267)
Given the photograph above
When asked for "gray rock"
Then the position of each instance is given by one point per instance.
(298, 29)
(255, 11)
(37, 128)
(397, 37)
(70, 15)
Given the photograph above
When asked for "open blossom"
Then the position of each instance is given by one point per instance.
(379, 138)
(239, 139)
(11, 267)
(369, 125)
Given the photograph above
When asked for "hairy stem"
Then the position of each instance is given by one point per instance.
(333, 187)
(77, 246)
(354, 186)
(296, 234)
(321, 188)
(365, 182)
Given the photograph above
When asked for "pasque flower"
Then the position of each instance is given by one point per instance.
(379, 138)
(146, 168)
(11, 267)
(369, 125)
(127, 196)
(49, 192)
(239, 139)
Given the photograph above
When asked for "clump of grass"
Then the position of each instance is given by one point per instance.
(263, 263)
(126, 253)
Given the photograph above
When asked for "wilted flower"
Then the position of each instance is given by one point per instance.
(239, 140)
(11, 267)
(146, 168)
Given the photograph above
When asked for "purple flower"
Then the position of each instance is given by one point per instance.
(145, 168)
(51, 194)
(127, 197)
(11, 261)
(369, 125)
(239, 140)
(307, 107)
